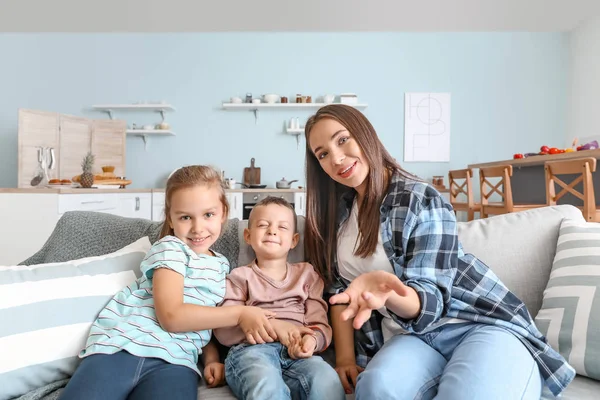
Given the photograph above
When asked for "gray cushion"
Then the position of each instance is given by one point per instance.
(519, 247)
(81, 234)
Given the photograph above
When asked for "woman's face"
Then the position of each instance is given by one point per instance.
(339, 154)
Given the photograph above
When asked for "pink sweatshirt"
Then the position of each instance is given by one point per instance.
(296, 299)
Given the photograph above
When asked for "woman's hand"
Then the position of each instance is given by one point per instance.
(214, 374)
(288, 333)
(348, 374)
(369, 291)
(303, 348)
(254, 322)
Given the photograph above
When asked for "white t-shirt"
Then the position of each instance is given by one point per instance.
(351, 266)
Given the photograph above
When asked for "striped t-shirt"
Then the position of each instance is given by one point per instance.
(128, 322)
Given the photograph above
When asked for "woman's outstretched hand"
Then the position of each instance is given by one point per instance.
(369, 291)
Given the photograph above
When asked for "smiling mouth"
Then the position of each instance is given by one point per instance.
(198, 241)
(348, 171)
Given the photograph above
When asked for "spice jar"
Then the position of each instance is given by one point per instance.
(298, 98)
(284, 99)
(308, 99)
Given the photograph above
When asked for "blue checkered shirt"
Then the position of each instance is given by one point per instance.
(419, 235)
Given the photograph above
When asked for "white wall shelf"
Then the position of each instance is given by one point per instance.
(110, 108)
(280, 106)
(151, 132)
(296, 132)
(161, 108)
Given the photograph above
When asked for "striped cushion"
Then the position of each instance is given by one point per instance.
(46, 311)
(570, 314)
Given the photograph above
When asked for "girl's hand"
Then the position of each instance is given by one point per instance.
(288, 333)
(348, 374)
(254, 322)
(214, 374)
(303, 348)
(368, 292)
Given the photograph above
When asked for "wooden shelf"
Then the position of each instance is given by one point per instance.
(263, 106)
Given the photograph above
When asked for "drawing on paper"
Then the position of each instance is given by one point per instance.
(427, 127)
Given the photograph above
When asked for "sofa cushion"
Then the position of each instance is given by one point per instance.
(570, 314)
(519, 247)
(47, 311)
(80, 234)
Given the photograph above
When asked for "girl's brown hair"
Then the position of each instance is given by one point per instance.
(185, 177)
(323, 193)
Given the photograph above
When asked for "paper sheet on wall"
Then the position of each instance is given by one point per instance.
(427, 127)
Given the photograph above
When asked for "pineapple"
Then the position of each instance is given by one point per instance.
(87, 178)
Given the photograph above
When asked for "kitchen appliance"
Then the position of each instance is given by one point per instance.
(251, 175)
(250, 199)
(283, 184)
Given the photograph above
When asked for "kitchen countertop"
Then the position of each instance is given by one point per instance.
(68, 190)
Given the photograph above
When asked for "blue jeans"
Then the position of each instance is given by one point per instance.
(123, 376)
(265, 371)
(455, 361)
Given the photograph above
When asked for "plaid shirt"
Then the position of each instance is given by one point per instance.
(419, 235)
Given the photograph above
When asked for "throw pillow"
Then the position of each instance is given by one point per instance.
(47, 310)
(570, 314)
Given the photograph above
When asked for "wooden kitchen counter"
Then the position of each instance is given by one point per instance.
(265, 190)
(540, 160)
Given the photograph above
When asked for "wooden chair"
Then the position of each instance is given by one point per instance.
(579, 166)
(502, 189)
(464, 186)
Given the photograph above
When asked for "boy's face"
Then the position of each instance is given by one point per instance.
(271, 232)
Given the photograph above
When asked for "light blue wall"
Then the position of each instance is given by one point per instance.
(508, 91)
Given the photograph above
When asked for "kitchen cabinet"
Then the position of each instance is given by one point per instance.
(300, 203)
(233, 198)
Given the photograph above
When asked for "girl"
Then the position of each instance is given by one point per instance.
(445, 325)
(146, 341)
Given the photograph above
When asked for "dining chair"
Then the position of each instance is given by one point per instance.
(461, 192)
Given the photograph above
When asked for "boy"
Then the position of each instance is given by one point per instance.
(286, 367)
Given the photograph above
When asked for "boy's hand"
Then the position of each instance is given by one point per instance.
(288, 333)
(348, 374)
(254, 322)
(214, 374)
(303, 348)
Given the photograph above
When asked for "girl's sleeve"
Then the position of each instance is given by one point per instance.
(430, 247)
(315, 310)
(166, 253)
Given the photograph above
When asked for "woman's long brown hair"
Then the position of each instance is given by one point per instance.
(323, 193)
(185, 177)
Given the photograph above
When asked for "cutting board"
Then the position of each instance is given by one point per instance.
(251, 174)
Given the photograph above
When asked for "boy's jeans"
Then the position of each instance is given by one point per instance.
(265, 371)
(123, 376)
(455, 361)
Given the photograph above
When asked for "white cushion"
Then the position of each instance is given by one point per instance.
(519, 247)
(570, 313)
(47, 310)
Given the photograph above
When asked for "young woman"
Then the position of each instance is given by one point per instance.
(432, 320)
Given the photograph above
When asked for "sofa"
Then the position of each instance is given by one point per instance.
(519, 247)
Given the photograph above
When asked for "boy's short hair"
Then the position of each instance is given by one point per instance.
(277, 201)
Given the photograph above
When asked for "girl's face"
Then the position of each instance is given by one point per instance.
(339, 155)
(196, 217)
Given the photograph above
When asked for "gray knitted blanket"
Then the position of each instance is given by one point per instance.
(80, 234)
